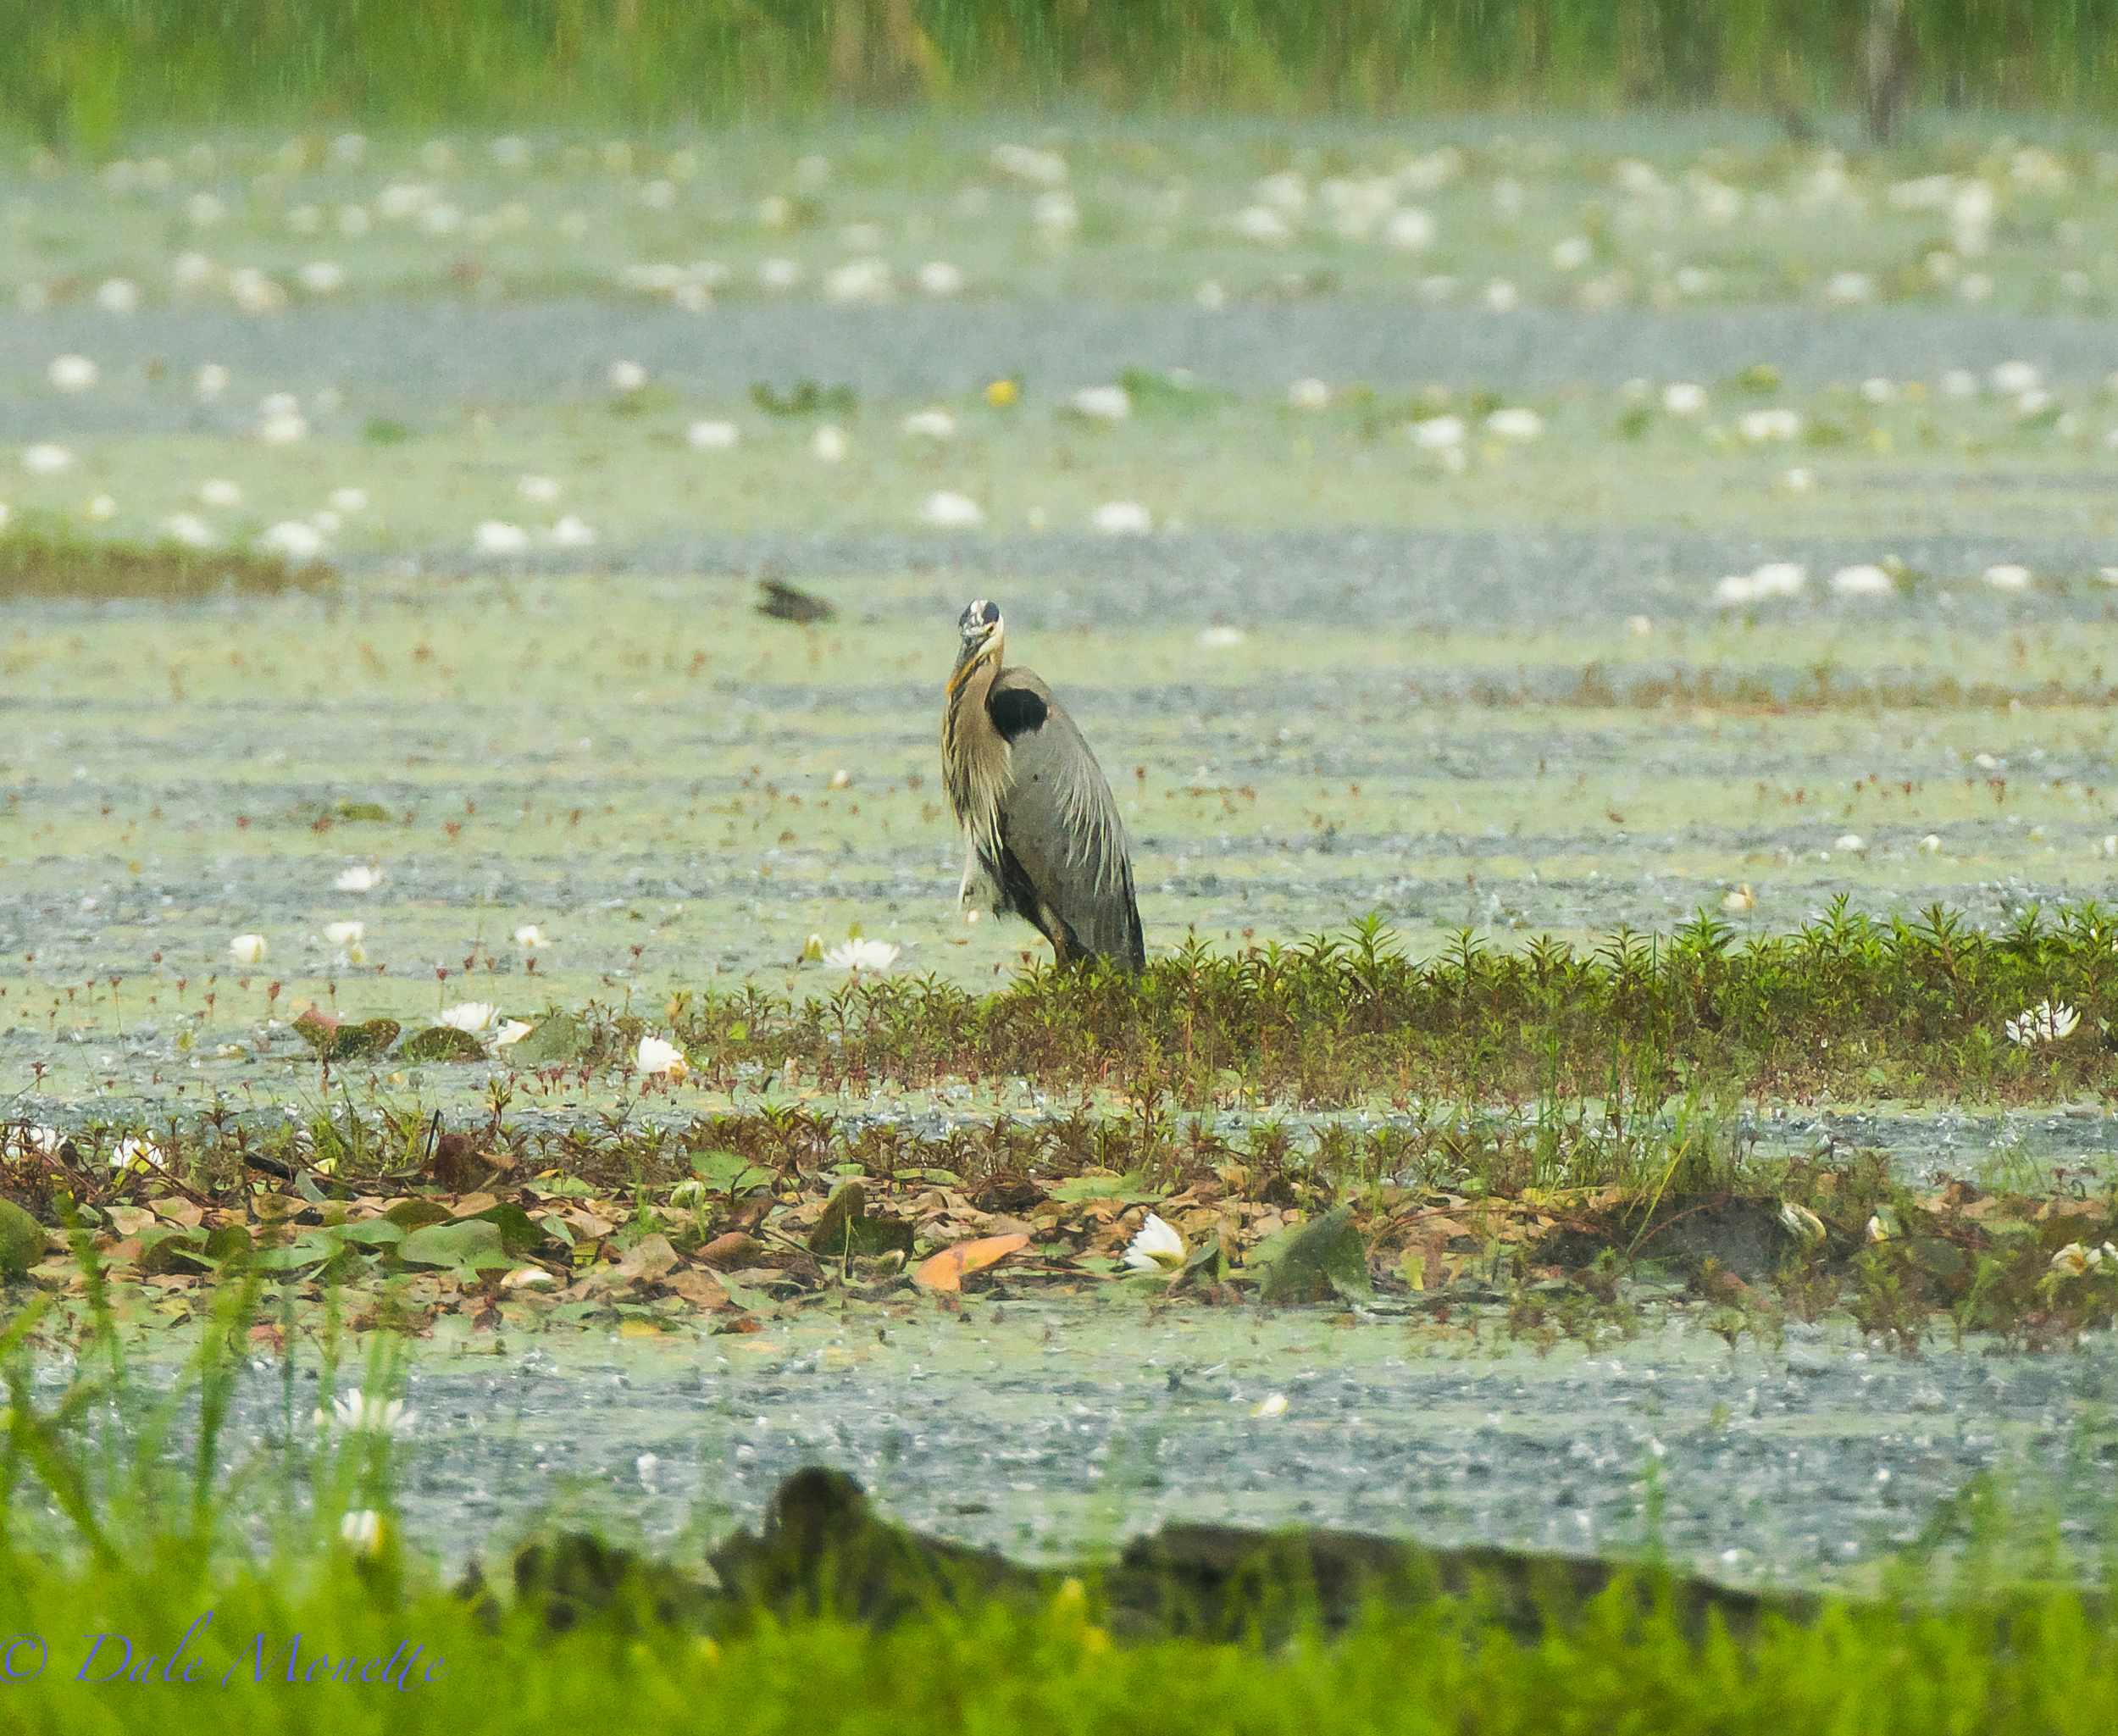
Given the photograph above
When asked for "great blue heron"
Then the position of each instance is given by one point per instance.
(1043, 838)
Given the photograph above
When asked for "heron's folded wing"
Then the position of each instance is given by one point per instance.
(1061, 821)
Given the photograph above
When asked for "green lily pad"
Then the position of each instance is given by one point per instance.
(470, 1242)
(846, 1228)
(416, 1214)
(231, 1241)
(558, 1036)
(518, 1233)
(21, 1240)
(364, 1042)
(1313, 1261)
(442, 1042)
(172, 1251)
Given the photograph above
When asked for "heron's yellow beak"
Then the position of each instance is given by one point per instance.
(975, 651)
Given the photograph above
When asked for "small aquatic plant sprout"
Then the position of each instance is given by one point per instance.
(1157, 1248)
(2042, 1025)
(1042, 836)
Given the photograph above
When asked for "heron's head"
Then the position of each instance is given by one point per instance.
(982, 628)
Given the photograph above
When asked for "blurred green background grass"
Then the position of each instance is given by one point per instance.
(77, 73)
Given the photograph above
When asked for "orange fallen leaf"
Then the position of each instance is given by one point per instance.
(945, 1270)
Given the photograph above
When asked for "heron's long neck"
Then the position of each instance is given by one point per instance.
(974, 754)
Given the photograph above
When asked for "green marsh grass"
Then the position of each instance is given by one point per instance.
(84, 71)
(39, 558)
(1850, 1004)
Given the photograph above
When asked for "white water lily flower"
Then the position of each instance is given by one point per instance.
(219, 491)
(627, 376)
(496, 536)
(45, 458)
(1309, 394)
(1682, 397)
(1804, 1224)
(2076, 1261)
(777, 276)
(543, 490)
(1848, 288)
(362, 1529)
(362, 877)
(1515, 425)
(1572, 253)
(1410, 230)
(2013, 378)
(1761, 427)
(1779, 578)
(118, 295)
(321, 277)
(292, 538)
(938, 277)
(510, 1031)
(133, 1154)
(1103, 403)
(284, 428)
(1274, 1403)
(345, 933)
(35, 1139)
(572, 531)
(188, 529)
(1121, 518)
(2045, 1022)
(829, 443)
(476, 1017)
(1931, 845)
(1865, 580)
(657, 1055)
(1501, 297)
(713, 436)
(355, 1410)
(349, 500)
(930, 424)
(529, 935)
(246, 949)
(864, 282)
(863, 955)
(1734, 591)
(100, 509)
(1263, 225)
(1221, 638)
(1437, 433)
(72, 373)
(1850, 842)
(524, 1277)
(2007, 576)
(948, 511)
(1157, 1247)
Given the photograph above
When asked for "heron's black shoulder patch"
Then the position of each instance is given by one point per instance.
(1016, 709)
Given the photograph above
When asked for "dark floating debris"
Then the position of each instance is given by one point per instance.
(822, 1548)
(783, 602)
